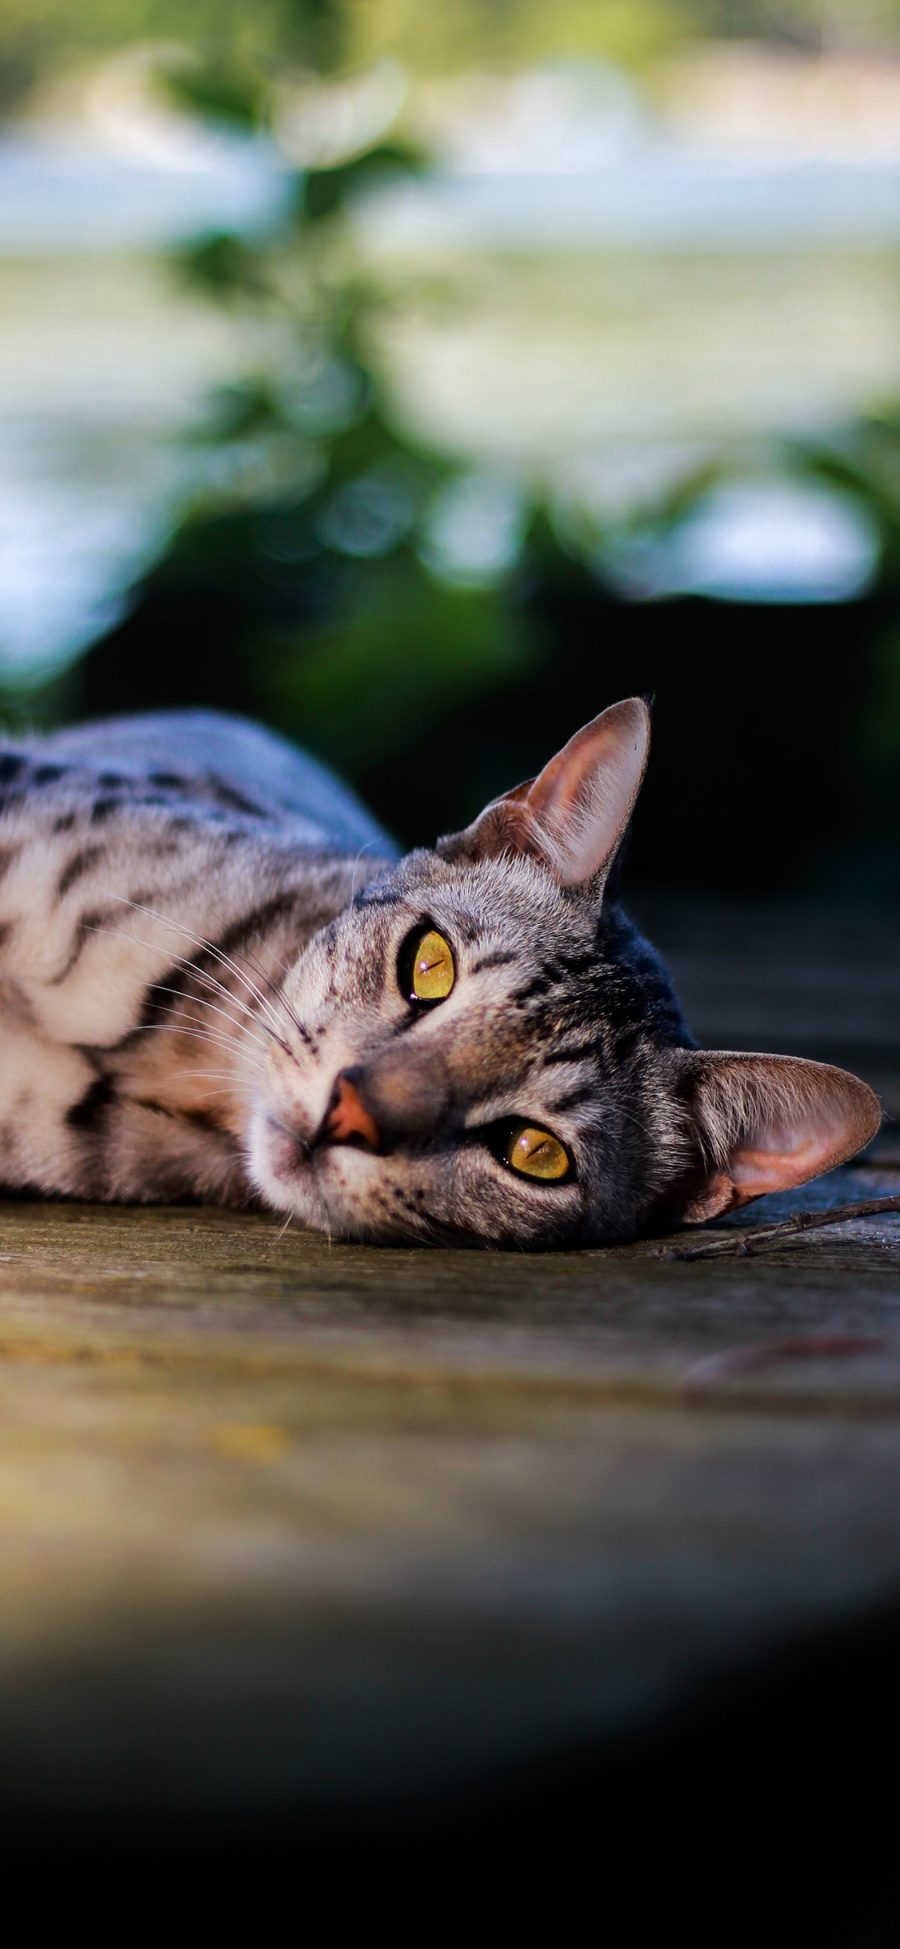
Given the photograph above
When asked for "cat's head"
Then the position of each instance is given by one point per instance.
(485, 1051)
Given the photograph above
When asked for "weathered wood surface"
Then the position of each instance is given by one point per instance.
(287, 1523)
(410, 1514)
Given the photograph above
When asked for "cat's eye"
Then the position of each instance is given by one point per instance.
(536, 1153)
(427, 967)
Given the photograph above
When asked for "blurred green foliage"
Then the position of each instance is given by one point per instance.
(42, 38)
(862, 462)
(301, 577)
(322, 573)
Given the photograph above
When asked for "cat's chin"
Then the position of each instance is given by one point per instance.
(290, 1179)
(296, 1188)
(276, 1166)
(294, 1196)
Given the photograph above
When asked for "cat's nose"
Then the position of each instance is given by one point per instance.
(347, 1120)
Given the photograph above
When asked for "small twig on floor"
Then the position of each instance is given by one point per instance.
(736, 1244)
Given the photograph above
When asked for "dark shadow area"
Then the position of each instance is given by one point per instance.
(769, 1804)
(762, 777)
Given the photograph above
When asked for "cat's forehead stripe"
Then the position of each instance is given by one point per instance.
(378, 899)
(499, 958)
(574, 1099)
(572, 1052)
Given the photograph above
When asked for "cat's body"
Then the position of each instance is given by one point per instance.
(206, 991)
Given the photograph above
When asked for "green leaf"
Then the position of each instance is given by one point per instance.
(223, 266)
(329, 190)
(218, 92)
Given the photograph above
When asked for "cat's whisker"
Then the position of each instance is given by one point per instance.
(217, 1072)
(638, 1122)
(283, 1003)
(277, 958)
(209, 947)
(237, 1089)
(240, 1030)
(191, 967)
(186, 996)
(363, 849)
(210, 1096)
(195, 1035)
(202, 974)
(240, 1088)
(218, 987)
(255, 962)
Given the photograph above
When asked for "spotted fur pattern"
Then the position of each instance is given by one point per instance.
(200, 930)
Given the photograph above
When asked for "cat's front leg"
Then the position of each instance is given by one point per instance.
(67, 1127)
(41, 1086)
(148, 1152)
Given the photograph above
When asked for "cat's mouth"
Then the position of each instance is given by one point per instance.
(288, 1150)
(299, 1173)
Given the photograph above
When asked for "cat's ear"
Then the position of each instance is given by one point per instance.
(572, 817)
(764, 1123)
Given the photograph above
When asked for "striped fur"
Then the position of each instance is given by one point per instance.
(200, 929)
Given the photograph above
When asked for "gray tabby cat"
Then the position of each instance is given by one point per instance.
(217, 981)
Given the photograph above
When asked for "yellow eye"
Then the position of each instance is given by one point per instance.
(536, 1154)
(433, 971)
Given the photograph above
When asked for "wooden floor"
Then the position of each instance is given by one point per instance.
(286, 1524)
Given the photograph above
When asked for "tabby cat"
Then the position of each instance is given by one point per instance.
(218, 981)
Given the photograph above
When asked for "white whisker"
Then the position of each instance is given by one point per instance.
(196, 1035)
(237, 1087)
(208, 1096)
(239, 1028)
(254, 958)
(209, 947)
(202, 974)
(363, 849)
(638, 1122)
(190, 967)
(229, 1073)
(264, 974)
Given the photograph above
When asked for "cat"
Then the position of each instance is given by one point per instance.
(218, 981)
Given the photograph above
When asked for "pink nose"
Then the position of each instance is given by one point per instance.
(348, 1121)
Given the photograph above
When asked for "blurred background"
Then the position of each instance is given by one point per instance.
(421, 380)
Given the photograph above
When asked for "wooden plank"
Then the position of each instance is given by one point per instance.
(312, 1522)
(195, 1286)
